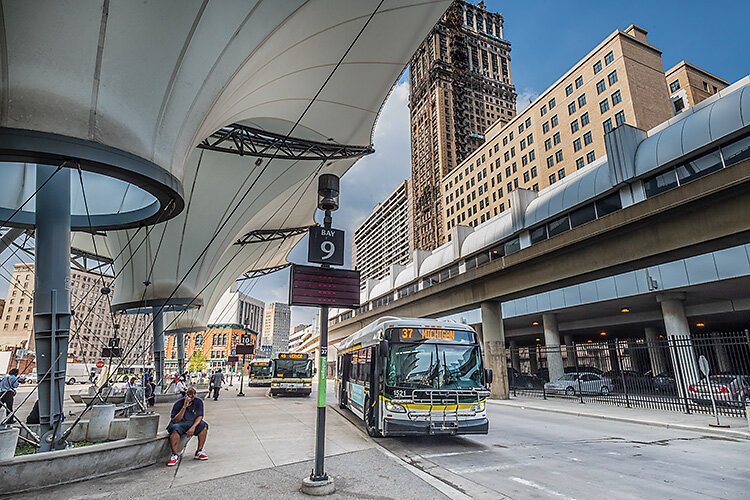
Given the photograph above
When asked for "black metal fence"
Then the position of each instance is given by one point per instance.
(660, 372)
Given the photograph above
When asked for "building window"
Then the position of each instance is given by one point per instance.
(552, 179)
(597, 67)
(577, 145)
(620, 118)
(609, 58)
(559, 156)
(550, 161)
(612, 78)
(547, 144)
(520, 128)
(530, 139)
(600, 86)
(554, 121)
(524, 160)
(561, 174)
(579, 82)
(616, 98)
(556, 138)
(574, 126)
(571, 108)
(590, 157)
(528, 122)
(679, 105)
(505, 140)
(569, 89)
(506, 155)
(581, 100)
(607, 125)
(532, 155)
(523, 144)
(543, 110)
(604, 106)
(585, 119)
(526, 177)
(545, 127)
(552, 103)
(674, 86)
(579, 163)
(533, 172)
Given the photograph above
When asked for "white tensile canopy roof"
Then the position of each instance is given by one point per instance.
(270, 90)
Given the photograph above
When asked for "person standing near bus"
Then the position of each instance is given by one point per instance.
(8, 386)
(216, 380)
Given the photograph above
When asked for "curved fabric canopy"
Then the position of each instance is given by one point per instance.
(228, 196)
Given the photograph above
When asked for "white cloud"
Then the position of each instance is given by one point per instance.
(525, 98)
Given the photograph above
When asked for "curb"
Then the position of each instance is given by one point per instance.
(630, 420)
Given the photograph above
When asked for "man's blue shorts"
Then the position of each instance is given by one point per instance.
(182, 427)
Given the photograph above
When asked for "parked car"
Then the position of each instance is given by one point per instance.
(634, 381)
(569, 384)
(728, 390)
(666, 383)
(543, 373)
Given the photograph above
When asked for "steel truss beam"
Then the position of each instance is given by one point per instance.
(264, 235)
(262, 272)
(243, 140)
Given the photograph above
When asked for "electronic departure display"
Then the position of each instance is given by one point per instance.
(317, 286)
(292, 355)
(430, 335)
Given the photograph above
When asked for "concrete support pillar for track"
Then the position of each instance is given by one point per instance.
(678, 332)
(634, 354)
(655, 351)
(494, 348)
(552, 344)
(100, 419)
(515, 356)
(533, 360)
(158, 326)
(180, 341)
(51, 298)
(143, 426)
(724, 364)
(570, 350)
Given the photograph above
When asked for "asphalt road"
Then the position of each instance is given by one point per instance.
(531, 454)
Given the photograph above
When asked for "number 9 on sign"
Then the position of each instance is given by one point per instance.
(328, 248)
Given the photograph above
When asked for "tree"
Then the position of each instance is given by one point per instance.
(198, 362)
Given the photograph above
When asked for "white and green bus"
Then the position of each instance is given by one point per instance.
(292, 373)
(407, 377)
(259, 372)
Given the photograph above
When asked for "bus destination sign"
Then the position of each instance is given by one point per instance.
(292, 355)
(316, 286)
(431, 334)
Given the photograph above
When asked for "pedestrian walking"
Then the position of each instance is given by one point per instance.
(216, 380)
(8, 386)
(150, 392)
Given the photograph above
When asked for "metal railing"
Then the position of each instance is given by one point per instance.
(660, 373)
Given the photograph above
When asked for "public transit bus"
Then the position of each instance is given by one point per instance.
(407, 377)
(259, 373)
(291, 373)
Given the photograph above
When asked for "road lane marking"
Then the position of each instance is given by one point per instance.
(539, 487)
(452, 453)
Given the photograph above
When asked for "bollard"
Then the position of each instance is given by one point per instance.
(101, 418)
(143, 426)
(8, 442)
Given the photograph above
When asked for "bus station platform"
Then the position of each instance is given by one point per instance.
(262, 447)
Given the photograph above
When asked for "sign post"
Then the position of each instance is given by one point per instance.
(244, 348)
(706, 371)
(323, 287)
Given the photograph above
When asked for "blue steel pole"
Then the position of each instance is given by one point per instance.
(51, 298)
(158, 326)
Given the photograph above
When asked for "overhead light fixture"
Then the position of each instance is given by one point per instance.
(538, 340)
(534, 323)
(700, 324)
(589, 340)
(603, 334)
(625, 310)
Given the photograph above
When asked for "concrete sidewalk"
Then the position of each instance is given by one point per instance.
(695, 422)
(263, 447)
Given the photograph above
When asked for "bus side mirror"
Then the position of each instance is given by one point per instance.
(488, 375)
(383, 349)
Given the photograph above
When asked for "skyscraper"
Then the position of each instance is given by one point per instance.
(236, 307)
(277, 320)
(460, 85)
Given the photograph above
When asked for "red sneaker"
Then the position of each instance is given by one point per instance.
(173, 460)
(201, 455)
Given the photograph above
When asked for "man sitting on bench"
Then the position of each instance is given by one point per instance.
(187, 419)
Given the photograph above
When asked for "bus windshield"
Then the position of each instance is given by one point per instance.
(293, 368)
(435, 366)
(260, 370)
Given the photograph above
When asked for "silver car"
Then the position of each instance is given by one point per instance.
(569, 384)
(728, 390)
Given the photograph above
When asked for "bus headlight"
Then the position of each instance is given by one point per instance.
(478, 407)
(395, 408)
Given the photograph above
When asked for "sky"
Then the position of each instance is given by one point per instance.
(547, 38)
